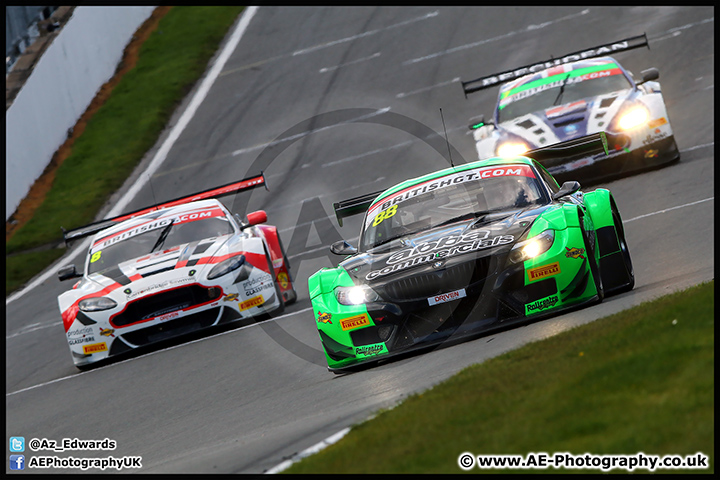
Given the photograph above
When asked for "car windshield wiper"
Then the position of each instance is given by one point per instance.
(562, 89)
(163, 236)
(466, 216)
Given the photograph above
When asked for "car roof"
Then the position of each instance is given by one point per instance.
(450, 170)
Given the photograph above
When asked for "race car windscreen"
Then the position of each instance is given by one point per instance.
(460, 196)
(545, 93)
(157, 236)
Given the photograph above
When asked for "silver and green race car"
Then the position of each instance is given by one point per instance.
(464, 250)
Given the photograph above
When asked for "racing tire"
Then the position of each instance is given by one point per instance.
(620, 271)
(281, 309)
(292, 294)
(592, 262)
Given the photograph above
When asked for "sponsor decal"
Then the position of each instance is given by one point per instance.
(231, 297)
(215, 212)
(277, 263)
(651, 153)
(386, 209)
(654, 137)
(657, 122)
(168, 316)
(258, 289)
(354, 322)
(593, 52)
(158, 286)
(79, 332)
(447, 297)
(134, 231)
(252, 302)
(107, 332)
(542, 304)
(544, 271)
(369, 350)
(444, 247)
(324, 317)
(283, 279)
(154, 225)
(247, 284)
(554, 81)
(574, 252)
(75, 341)
(95, 348)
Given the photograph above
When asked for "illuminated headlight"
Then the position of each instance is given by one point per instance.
(533, 247)
(97, 304)
(227, 266)
(634, 117)
(511, 149)
(356, 295)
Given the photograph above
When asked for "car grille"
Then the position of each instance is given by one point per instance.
(172, 328)
(165, 302)
(433, 283)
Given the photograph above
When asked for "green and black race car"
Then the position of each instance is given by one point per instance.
(467, 249)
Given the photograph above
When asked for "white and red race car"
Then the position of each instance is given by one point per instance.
(170, 269)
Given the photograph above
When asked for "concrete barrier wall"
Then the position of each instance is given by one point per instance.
(80, 60)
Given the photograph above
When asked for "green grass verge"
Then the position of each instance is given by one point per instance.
(633, 382)
(170, 62)
(18, 266)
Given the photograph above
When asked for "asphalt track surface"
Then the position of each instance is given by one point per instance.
(337, 102)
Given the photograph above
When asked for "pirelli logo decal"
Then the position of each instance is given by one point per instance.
(251, 302)
(94, 348)
(354, 322)
(544, 271)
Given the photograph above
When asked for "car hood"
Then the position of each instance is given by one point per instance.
(567, 121)
(138, 272)
(491, 234)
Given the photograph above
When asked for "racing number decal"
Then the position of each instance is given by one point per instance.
(384, 215)
(95, 256)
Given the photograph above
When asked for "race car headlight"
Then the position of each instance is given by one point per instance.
(533, 247)
(97, 304)
(511, 149)
(356, 295)
(633, 117)
(226, 266)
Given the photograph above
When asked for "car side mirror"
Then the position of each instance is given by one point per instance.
(568, 188)
(67, 272)
(255, 218)
(649, 75)
(342, 247)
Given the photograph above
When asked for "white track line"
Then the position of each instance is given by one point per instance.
(158, 351)
(161, 154)
(494, 39)
(668, 209)
(364, 34)
(309, 451)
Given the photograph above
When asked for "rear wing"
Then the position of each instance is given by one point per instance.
(217, 192)
(588, 146)
(481, 83)
(354, 206)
